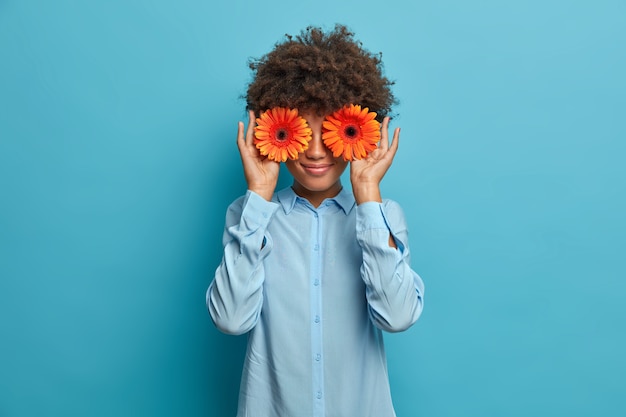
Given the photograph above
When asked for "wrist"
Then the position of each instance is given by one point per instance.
(264, 191)
(366, 192)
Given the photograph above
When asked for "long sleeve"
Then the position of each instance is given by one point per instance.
(235, 296)
(394, 291)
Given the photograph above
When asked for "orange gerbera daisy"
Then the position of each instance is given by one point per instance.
(352, 132)
(280, 134)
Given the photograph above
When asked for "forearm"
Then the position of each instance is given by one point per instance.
(393, 295)
(235, 296)
(394, 291)
(364, 193)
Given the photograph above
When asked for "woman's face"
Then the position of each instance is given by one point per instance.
(316, 173)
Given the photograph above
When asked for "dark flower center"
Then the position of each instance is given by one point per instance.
(282, 135)
(351, 131)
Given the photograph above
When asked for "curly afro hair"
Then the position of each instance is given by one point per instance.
(319, 72)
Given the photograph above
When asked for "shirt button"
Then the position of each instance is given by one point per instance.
(317, 319)
(318, 357)
(319, 395)
(316, 282)
(316, 247)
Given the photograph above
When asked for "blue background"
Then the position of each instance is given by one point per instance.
(118, 160)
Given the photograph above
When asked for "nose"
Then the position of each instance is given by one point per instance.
(316, 149)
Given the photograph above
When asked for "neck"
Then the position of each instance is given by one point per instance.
(316, 197)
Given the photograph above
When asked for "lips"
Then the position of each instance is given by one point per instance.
(316, 169)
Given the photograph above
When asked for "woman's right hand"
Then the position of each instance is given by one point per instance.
(261, 173)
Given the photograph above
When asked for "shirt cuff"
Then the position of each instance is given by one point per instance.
(257, 210)
(370, 215)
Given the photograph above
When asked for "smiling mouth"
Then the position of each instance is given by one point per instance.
(317, 169)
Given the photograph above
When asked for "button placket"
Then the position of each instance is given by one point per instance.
(316, 313)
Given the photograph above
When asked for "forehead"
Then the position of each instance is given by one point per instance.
(313, 118)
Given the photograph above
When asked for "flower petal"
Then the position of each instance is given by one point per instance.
(355, 146)
(281, 133)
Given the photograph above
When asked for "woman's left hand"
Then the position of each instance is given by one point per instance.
(366, 173)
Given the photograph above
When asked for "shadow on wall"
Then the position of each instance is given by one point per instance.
(225, 364)
(223, 354)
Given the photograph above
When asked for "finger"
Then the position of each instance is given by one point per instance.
(240, 138)
(393, 148)
(250, 131)
(384, 134)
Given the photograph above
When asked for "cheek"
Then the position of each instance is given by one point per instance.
(290, 164)
(340, 168)
(341, 163)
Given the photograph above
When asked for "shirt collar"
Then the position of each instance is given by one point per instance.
(288, 198)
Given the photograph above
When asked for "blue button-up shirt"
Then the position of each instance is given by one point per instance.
(314, 287)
